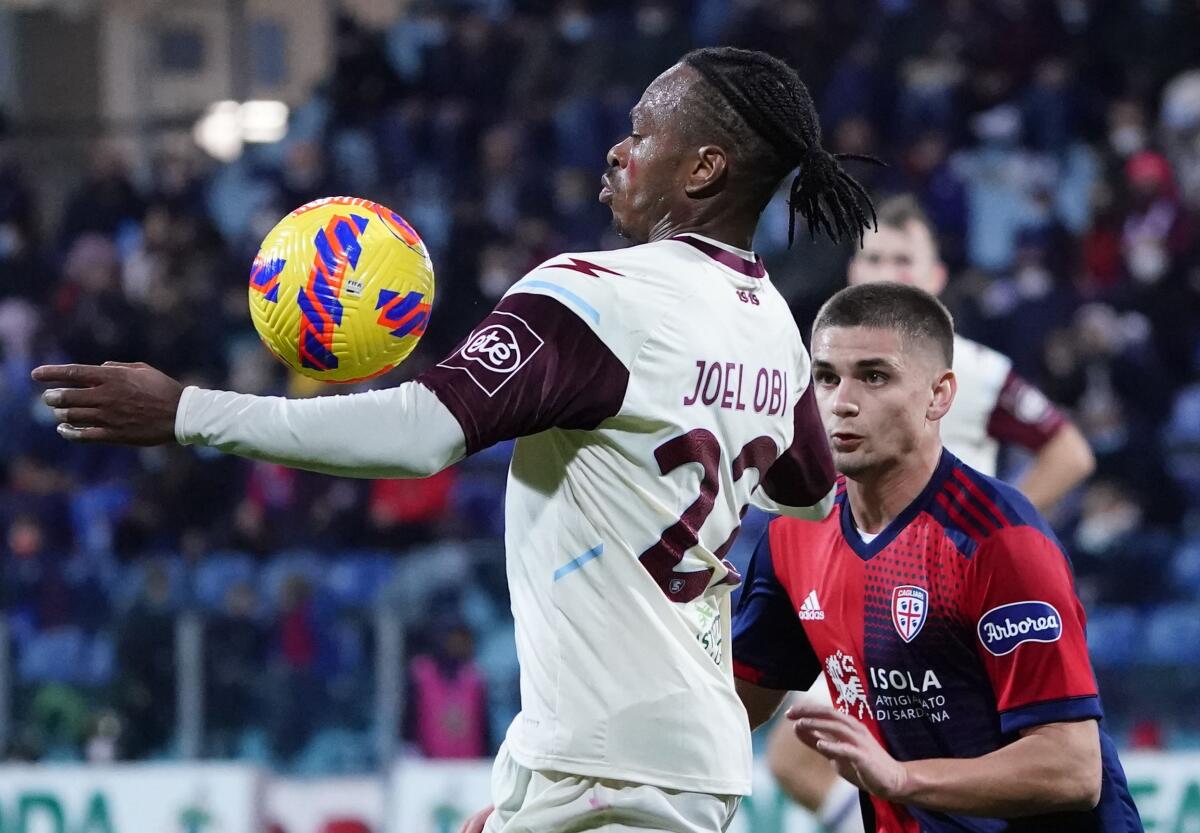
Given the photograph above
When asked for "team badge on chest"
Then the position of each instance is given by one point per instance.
(910, 604)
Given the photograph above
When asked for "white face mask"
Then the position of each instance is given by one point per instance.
(1127, 140)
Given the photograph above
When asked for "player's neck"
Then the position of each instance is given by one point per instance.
(876, 500)
(738, 234)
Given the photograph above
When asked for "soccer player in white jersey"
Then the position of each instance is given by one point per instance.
(654, 391)
(993, 406)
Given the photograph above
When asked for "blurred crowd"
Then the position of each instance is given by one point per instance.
(1056, 145)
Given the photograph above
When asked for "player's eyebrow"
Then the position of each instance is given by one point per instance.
(862, 364)
(873, 362)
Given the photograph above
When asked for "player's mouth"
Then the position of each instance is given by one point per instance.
(606, 191)
(845, 441)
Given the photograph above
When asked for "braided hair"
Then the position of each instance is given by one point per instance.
(764, 110)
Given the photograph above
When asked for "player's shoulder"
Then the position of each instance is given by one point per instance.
(613, 268)
(806, 535)
(976, 364)
(982, 512)
(597, 287)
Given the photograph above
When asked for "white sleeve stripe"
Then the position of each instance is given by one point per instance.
(561, 291)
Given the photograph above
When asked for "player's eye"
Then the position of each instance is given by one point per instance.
(824, 377)
(874, 377)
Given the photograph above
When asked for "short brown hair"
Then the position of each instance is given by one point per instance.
(899, 211)
(910, 311)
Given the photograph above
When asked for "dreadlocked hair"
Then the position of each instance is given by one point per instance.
(767, 112)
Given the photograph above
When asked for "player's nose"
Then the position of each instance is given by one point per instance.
(844, 405)
(618, 154)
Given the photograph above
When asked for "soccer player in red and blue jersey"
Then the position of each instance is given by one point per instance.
(937, 601)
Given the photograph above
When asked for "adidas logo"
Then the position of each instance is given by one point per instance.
(810, 610)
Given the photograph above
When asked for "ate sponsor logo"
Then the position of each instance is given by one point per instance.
(910, 608)
(496, 351)
(1003, 629)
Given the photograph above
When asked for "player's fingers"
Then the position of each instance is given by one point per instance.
(80, 417)
(72, 374)
(808, 708)
(827, 726)
(477, 822)
(91, 434)
(807, 736)
(124, 364)
(73, 397)
(835, 749)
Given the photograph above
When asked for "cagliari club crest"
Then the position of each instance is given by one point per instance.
(910, 604)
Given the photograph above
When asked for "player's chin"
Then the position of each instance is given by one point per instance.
(853, 464)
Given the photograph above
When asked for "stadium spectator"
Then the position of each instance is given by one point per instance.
(302, 668)
(447, 711)
(144, 694)
(235, 651)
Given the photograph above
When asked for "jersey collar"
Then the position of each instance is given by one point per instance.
(731, 257)
(867, 551)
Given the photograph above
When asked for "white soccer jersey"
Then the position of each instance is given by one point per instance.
(651, 387)
(994, 405)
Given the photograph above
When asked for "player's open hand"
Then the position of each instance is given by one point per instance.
(127, 404)
(477, 822)
(853, 749)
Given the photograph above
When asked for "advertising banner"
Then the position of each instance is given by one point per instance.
(432, 797)
(130, 798)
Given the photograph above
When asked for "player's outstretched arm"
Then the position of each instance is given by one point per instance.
(399, 432)
(1054, 767)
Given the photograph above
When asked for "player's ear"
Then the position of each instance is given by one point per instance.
(708, 170)
(940, 276)
(945, 386)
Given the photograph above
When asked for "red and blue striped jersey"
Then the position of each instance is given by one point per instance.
(948, 633)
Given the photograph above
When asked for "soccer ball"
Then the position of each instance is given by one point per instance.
(341, 289)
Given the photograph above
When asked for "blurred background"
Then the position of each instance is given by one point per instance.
(175, 606)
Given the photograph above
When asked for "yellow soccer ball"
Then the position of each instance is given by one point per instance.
(341, 289)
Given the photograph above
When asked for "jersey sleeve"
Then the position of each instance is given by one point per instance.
(1023, 415)
(800, 482)
(1029, 628)
(535, 362)
(770, 648)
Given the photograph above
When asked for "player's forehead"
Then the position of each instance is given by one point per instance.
(666, 92)
(888, 241)
(847, 347)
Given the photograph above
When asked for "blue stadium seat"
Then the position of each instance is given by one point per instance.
(1113, 635)
(1173, 635)
(100, 660)
(53, 656)
(1185, 567)
(355, 578)
(216, 573)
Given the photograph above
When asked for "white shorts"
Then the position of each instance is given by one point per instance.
(537, 801)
